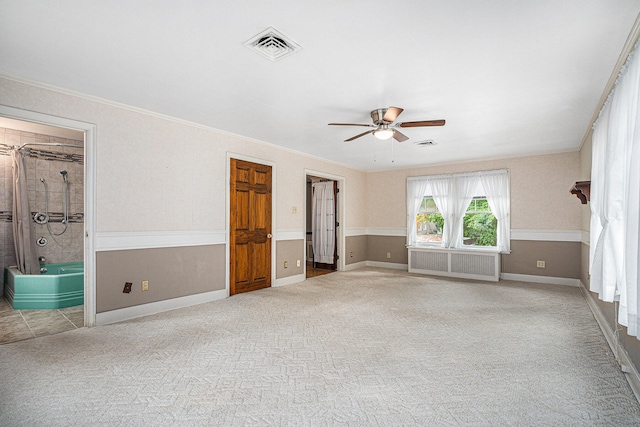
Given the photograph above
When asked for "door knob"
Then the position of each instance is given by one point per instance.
(269, 236)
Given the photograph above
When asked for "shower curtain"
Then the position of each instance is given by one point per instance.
(323, 222)
(23, 236)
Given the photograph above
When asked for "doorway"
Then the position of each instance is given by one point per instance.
(322, 226)
(250, 199)
(68, 147)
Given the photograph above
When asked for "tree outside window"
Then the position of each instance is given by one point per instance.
(479, 226)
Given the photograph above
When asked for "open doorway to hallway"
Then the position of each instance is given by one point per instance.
(321, 226)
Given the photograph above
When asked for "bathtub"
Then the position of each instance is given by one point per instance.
(61, 286)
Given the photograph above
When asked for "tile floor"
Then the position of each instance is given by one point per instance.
(17, 325)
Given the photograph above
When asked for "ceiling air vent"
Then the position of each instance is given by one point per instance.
(425, 142)
(272, 44)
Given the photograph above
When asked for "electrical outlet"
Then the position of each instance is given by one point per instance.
(388, 255)
(127, 288)
(294, 209)
(540, 264)
(298, 263)
(286, 264)
(145, 285)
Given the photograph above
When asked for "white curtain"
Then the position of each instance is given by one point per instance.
(596, 203)
(323, 222)
(23, 236)
(616, 175)
(416, 190)
(464, 188)
(496, 189)
(452, 195)
(443, 193)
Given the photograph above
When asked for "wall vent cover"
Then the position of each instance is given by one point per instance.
(272, 44)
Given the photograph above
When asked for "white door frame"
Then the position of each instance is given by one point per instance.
(89, 195)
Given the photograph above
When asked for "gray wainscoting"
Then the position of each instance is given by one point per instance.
(172, 272)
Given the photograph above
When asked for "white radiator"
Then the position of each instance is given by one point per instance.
(455, 263)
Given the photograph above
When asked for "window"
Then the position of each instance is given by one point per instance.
(459, 211)
(479, 226)
(429, 222)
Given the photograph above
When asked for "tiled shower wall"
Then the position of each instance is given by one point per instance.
(69, 246)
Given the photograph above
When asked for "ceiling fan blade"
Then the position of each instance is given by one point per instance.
(421, 123)
(349, 124)
(392, 114)
(358, 136)
(399, 136)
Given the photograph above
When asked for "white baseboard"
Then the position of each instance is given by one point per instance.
(288, 280)
(631, 372)
(355, 266)
(362, 264)
(540, 279)
(128, 313)
(391, 265)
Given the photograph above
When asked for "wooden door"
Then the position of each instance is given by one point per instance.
(250, 226)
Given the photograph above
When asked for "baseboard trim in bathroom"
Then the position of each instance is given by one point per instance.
(128, 313)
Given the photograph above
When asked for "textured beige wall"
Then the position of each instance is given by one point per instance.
(155, 174)
(289, 251)
(540, 198)
(562, 259)
(356, 249)
(171, 272)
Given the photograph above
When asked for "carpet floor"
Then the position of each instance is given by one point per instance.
(370, 347)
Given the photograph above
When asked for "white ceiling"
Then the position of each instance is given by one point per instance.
(510, 77)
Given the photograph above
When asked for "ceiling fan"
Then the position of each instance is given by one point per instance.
(383, 119)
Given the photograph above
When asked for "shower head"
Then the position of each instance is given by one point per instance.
(64, 175)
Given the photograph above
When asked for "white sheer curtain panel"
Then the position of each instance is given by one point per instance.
(323, 222)
(496, 189)
(616, 175)
(624, 108)
(443, 193)
(416, 190)
(464, 188)
(596, 202)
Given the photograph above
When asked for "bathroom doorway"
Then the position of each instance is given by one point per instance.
(59, 166)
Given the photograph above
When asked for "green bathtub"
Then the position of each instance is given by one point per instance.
(61, 286)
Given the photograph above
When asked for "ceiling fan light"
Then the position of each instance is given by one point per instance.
(383, 133)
